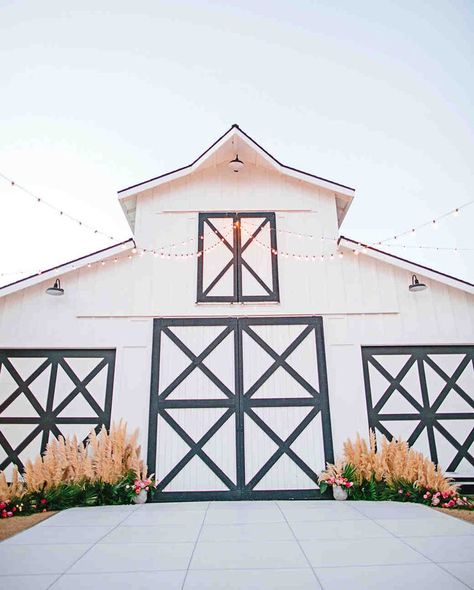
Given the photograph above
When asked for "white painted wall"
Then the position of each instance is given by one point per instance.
(363, 301)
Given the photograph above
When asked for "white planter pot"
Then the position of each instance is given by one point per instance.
(141, 497)
(339, 493)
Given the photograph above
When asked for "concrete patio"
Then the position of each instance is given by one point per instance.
(277, 545)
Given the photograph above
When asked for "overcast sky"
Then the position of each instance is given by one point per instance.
(95, 96)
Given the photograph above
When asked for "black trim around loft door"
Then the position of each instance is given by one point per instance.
(237, 248)
(425, 416)
(48, 422)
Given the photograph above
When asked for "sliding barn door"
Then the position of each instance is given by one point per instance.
(49, 393)
(238, 408)
(192, 434)
(424, 395)
(287, 431)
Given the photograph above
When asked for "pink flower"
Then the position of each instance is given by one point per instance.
(435, 501)
(400, 491)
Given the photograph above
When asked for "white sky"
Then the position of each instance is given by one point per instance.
(95, 96)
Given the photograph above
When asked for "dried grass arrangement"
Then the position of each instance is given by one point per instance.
(391, 470)
(71, 473)
(13, 489)
(394, 461)
(105, 458)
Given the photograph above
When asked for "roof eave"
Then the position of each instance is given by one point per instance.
(409, 265)
(67, 267)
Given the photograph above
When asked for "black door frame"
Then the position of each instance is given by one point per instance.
(240, 405)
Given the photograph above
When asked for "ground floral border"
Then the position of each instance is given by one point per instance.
(71, 495)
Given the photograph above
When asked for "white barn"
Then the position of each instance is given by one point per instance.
(242, 334)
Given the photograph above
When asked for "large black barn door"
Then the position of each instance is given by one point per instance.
(239, 408)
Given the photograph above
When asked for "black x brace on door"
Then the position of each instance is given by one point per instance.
(238, 258)
(237, 403)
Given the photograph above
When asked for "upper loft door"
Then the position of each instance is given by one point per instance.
(238, 258)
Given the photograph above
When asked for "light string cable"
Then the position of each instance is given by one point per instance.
(159, 251)
(434, 223)
(280, 230)
(58, 210)
(438, 248)
(293, 255)
(80, 222)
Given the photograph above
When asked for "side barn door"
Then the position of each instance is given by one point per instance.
(49, 393)
(425, 395)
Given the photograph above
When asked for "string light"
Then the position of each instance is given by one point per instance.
(299, 257)
(433, 222)
(140, 251)
(444, 248)
(298, 235)
(60, 212)
(160, 252)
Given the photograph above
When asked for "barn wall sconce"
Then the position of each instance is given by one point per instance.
(56, 289)
(416, 285)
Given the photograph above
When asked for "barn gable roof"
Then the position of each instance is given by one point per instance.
(224, 149)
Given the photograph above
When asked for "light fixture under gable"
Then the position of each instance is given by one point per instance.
(416, 285)
(236, 165)
(56, 289)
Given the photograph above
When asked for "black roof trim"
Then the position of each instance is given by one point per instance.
(66, 263)
(443, 274)
(291, 167)
(253, 141)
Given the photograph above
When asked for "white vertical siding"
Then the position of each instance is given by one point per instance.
(363, 301)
